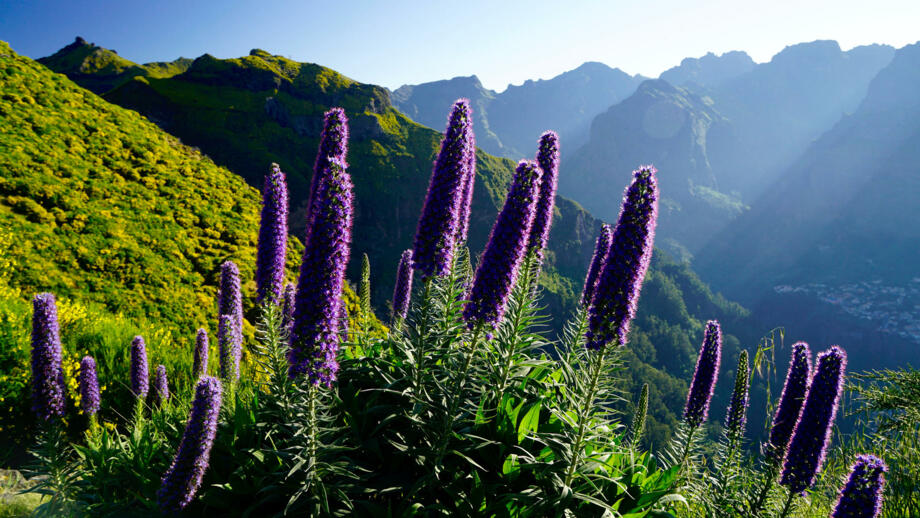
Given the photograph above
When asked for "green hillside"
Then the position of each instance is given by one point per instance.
(108, 208)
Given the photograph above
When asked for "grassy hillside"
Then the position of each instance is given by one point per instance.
(127, 226)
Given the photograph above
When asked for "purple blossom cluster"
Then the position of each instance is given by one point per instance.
(287, 307)
(438, 225)
(469, 184)
(47, 375)
(315, 333)
(273, 232)
(160, 386)
(230, 301)
(183, 478)
(228, 345)
(737, 409)
(798, 379)
(812, 432)
(861, 497)
(140, 376)
(403, 290)
(598, 260)
(617, 291)
(548, 160)
(504, 253)
(200, 359)
(333, 145)
(89, 386)
(704, 377)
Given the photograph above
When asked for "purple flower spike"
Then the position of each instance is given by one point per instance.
(469, 185)
(498, 268)
(333, 145)
(403, 290)
(231, 300)
(548, 160)
(704, 378)
(200, 364)
(287, 307)
(161, 386)
(182, 479)
(798, 379)
(273, 232)
(861, 497)
(601, 249)
(617, 291)
(140, 377)
(737, 409)
(47, 375)
(89, 386)
(812, 432)
(228, 344)
(315, 333)
(439, 223)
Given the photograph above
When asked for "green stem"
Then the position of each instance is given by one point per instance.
(455, 396)
(422, 336)
(769, 477)
(515, 323)
(788, 505)
(683, 457)
(597, 364)
(311, 440)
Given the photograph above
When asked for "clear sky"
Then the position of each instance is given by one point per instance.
(502, 41)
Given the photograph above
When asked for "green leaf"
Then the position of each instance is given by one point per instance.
(530, 422)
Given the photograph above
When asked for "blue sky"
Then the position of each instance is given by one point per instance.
(393, 43)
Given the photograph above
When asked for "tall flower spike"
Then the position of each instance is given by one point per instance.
(287, 308)
(505, 251)
(273, 233)
(47, 375)
(161, 385)
(403, 290)
(364, 288)
(737, 409)
(469, 185)
(228, 345)
(617, 291)
(333, 145)
(601, 249)
(704, 378)
(140, 377)
(638, 423)
(231, 300)
(861, 497)
(812, 432)
(89, 386)
(438, 223)
(548, 160)
(798, 379)
(315, 333)
(200, 363)
(182, 479)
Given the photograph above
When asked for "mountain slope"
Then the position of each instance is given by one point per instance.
(721, 137)
(683, 136)
(108, 208)
(514, 119)
(101, 70)
(841, 225)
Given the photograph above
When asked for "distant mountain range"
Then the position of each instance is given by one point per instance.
(842, 223)
(509, 123)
